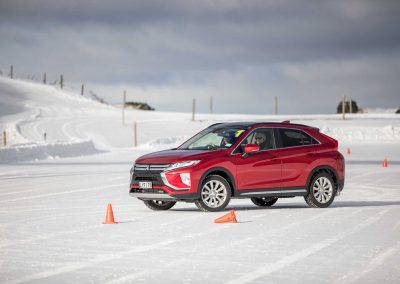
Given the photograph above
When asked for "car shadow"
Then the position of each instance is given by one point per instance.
(336, 204)
(244, 208)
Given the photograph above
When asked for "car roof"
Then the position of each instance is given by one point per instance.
(256, 123)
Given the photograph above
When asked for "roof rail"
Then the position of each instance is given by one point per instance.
(286, 121)
(215, 124)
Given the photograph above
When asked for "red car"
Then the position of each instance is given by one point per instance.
(260, 161)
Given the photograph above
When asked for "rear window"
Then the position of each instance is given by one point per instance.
(294, 138)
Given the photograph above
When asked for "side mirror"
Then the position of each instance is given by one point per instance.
(251, 148)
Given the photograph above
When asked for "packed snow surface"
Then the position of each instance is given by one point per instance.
(54, 194)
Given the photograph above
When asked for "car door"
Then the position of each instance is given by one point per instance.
(261, 169)
(296, 154)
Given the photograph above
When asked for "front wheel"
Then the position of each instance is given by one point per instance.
(264, 201)
(321, 191)
(158, 204)
(215, 194)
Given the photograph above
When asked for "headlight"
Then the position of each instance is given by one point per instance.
(182, 165)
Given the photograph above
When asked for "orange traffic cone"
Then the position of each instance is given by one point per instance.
(385, 163)
(227, 218)
(348, 151)
(110, 216)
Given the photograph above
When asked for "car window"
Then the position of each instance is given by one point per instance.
(294, 138)
(264, 137)
(214, 138)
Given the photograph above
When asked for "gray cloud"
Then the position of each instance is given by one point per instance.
(167, 52)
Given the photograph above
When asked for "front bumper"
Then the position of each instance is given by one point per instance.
(160, 194)
(160, 191)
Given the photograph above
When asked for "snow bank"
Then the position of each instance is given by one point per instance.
(34, 151)
(29, 110)
(363, 134)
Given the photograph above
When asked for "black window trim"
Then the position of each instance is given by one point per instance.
(251, 132)
(278, 138)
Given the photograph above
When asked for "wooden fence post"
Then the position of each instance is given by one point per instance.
(4, 138)
(343, 106)
(193, 109)
(135, 143)
(82, 89)
(123, 109)
(44, 78)
(351, 105)
(11, 72)
(61, 81)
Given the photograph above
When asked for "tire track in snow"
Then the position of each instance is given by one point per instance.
(132, 276)
(64, 192)
(374, 263)
(269, 268)
(43, 182)
(136, 275)
(71, 232)
(277, 230)
(114, 256)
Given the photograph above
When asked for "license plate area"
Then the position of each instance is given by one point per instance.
(145, 184)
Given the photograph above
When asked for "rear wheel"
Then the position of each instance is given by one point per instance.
(264, 201)
(158, 204)
(321, 191)
(215, 194)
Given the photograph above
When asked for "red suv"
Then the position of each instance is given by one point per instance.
(260, 161)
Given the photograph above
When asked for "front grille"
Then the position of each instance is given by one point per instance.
(155, 178)
(148, 172)
(150, 167)
(146, 178)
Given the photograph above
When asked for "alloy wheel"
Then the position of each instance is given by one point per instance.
(323, 190)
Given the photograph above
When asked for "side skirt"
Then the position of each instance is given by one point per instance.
(275, 192)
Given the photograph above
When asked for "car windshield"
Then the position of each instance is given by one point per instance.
(214, 138)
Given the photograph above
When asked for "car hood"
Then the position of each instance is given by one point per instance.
(174, 156)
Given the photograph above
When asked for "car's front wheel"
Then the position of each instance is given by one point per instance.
(215, 194)
(321, 191)
(159, 205)
(264, 201)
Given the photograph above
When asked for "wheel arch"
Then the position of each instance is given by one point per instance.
(325, 168)
(220, 171)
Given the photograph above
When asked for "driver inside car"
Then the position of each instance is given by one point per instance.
(261, 141)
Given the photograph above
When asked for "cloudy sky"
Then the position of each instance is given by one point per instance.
(242, 53)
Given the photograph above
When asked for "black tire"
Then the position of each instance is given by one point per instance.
(215, 194)
(158, 205)
(321, 194)
(264, 201)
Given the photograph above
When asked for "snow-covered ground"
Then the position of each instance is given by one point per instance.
(54, 194)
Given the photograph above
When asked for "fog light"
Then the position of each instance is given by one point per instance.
(185, 177)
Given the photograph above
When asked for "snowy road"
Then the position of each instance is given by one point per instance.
(51, 231)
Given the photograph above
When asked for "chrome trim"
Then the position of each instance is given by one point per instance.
(164, 179)
(151, 167)
(275, 191)
(154, 196)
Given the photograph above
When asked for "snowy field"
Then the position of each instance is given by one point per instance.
(54, 194)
